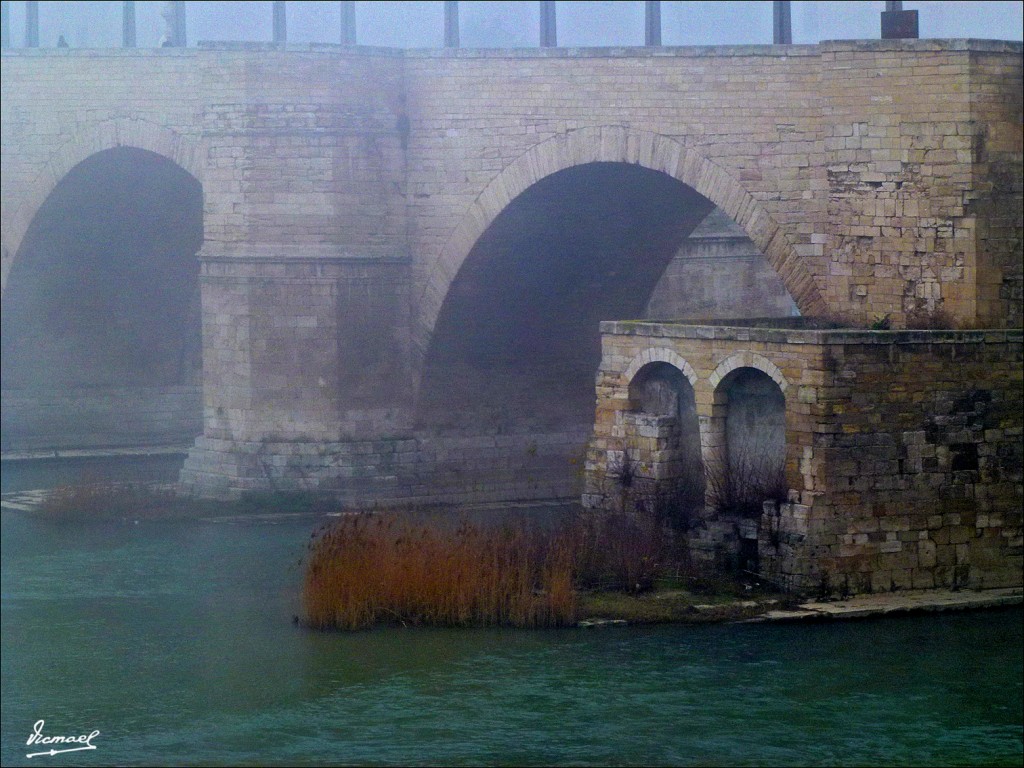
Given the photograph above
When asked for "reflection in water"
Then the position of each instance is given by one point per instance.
(175, 640)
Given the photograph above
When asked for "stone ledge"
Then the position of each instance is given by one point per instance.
(738, 331)
(91, 453)
(205, 47)
(916, 601)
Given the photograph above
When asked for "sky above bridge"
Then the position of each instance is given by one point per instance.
(514, 24)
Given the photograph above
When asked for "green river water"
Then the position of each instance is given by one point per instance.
(175, 641)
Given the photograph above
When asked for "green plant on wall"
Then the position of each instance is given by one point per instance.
(881, 323)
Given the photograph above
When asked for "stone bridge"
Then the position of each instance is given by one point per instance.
(404, 256)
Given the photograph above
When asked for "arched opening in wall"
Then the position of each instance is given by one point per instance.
(101, 332)
(747, 465)
(662, 443)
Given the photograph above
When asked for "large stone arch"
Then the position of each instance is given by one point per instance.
(611, 144)
(102, 327)
(185, 151)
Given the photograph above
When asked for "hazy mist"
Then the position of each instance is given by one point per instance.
(512, 24)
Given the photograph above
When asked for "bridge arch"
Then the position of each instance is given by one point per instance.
(102, 330)
(611, 144)
(91, 139)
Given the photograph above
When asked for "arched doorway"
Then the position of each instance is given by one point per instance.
(101, 333)
(747, 465)
(662, 438)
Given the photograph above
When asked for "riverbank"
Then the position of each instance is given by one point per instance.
(915, 601)
(711, 602)
(680, 606)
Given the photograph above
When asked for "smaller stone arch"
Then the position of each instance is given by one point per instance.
(661, 433)
(660, 355)
(745, 448)
(745, 442)
(747, 360)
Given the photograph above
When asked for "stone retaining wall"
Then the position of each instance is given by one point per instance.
(100, 417)
(418, 469)
(903, 448)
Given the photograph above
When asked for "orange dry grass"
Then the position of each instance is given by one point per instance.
(98, 499)
(370, 569)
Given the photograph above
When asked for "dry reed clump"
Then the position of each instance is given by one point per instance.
(621, 551)
(385, 568)
(106, 500)
(382, 568)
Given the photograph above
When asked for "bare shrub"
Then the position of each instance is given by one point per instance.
(929, 319)
(643, 536)
(616, 550)
(742, 483)
(390, 567)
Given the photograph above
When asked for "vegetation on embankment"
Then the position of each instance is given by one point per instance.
(94, 499)
(435, 566)
(396, 568)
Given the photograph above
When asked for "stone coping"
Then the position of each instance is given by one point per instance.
(736, 331)
(621, 51)
(90, 390)
(94, 453)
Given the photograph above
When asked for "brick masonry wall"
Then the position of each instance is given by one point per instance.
(836, 142)
(100, 417)
(919, 215)
(795, 128)
(309, 349)
(997, 93)
(920, 461)
(420, 469)
(903, 448)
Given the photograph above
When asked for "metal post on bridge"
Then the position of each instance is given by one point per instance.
(451, 24)
(5, 24)
(782, 23)
(128, 24)
(174, 18)
(652, 23)
(348, 22)
(32, 25)
(898, 24)
(179, 25)
(280, 23)
(548, 25)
